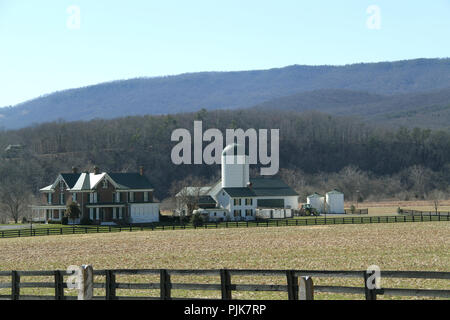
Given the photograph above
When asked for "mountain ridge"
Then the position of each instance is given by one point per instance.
(212, 90)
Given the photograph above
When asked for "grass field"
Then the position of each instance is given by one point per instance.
(390, 207)
(397, 246)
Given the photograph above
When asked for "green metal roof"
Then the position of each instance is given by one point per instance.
(70, 178)
(271, 187)
(263, 187)
(270, 203)
(206, 200)
(131, 180)
(239, 192)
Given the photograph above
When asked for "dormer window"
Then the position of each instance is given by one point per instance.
(105, 184)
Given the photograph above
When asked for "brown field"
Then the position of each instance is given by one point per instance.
(397, 246)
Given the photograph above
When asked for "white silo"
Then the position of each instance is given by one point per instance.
(316, 201)
(235, 167)
(335, 202)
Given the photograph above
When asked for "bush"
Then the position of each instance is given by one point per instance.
(352, 209)
(24, 220)
(65, 220)
(399, 210)
(197, 220)
(85, 220)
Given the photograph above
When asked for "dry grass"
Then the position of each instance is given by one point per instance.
(397, 246)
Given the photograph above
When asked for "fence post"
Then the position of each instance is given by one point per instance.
(86, 291)
(110, 285)
(306, 289)
(59, 285)
(369, 293)
(225, 283)
(292, 285)
(165, 284)
(15, 285)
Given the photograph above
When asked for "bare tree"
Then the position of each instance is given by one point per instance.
(14, 198)
(187, 193)
(436, 197)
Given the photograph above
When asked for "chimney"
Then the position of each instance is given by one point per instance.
(249, 185)
(95, 170)
(74, 170)
(141, 170)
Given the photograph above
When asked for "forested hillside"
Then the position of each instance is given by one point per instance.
(226, 90)
(317, 151)
(426, 110)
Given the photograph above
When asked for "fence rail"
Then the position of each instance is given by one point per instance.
(424, 213)
(356, 211)
(298, 283)
(321, 220)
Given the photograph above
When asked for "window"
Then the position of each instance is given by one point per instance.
(131, 196)
(117, 196)
(237, 202)
(91, 213)
(237, 213)
(146, 196)
(93, 197)
(61, 198)
(61, 185)
(105, 184)
(74, 197)
(248, 212)
(49, 198)
(248, 201)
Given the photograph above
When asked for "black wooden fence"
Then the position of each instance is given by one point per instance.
(226, 286)
(321, 220)
(356, 211)
(424, 213)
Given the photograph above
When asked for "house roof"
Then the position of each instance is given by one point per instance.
(88, 181)
(70, 178)
(131, 180)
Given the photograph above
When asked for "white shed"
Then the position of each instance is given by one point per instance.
(335, 202)
(316, 201)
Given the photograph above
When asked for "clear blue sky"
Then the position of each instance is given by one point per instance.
(40, 54)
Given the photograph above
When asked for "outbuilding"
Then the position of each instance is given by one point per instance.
(335, 202)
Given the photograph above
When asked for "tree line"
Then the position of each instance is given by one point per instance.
(317, 152)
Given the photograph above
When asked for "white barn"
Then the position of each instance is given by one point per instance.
(239, 197)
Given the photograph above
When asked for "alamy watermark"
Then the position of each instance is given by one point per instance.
(374, 280)
(373, 22)
(212, 153)
(73, 21)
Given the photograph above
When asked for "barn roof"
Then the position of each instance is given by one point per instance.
(263, 187)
